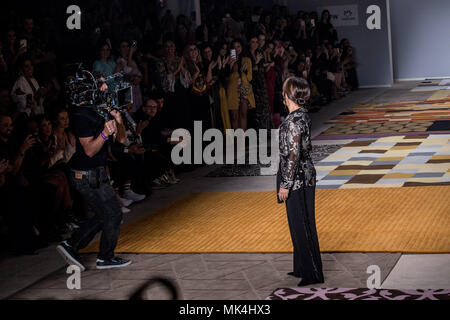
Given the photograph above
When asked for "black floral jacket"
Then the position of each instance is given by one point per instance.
(296, 168)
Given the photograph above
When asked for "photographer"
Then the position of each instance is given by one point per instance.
(88, 175)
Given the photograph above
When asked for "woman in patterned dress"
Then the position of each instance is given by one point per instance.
(296, 182)
(173, 81)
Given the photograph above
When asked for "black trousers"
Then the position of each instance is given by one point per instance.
(302, 225)
(95, 188)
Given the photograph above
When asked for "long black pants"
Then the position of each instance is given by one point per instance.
(96, 189)
(302, 225)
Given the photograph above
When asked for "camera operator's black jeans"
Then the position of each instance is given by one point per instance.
(95, 188)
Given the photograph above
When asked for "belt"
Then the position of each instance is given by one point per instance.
(78, 174)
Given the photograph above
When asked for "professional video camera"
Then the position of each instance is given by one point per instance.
(83, 90)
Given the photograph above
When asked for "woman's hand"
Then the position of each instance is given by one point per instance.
(258, 58)
(232, 61)
(283, 194)
(213, 64)
(244, 67)
(197, 69)
(136, 149)
(133, 48)
(29, 141)
(180, 65)
(225, 61)
(141, 126)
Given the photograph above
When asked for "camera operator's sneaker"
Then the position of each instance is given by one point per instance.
(71, 257)
(115, 262)
(158, 183)
(131, 195)
(125, 202)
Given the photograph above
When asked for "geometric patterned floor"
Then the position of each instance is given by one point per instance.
(391, 118)
(392, 144)
(386, 162)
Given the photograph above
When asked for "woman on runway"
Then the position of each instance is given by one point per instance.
(296, 181)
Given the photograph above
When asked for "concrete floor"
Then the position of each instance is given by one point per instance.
(224, 276)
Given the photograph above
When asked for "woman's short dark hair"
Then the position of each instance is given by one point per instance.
(239, 40)
(55, 115)
(100, 46)
(297, 89)
(323, 13)
(40, 118)
(244, 47)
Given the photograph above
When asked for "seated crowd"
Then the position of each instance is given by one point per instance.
(227, 72)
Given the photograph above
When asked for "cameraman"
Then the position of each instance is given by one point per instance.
(88, 175)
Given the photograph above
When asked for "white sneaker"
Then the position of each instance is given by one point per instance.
(125, 210)
(131, 195)
(125, 202)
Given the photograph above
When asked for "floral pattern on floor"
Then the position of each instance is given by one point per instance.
(358, 294)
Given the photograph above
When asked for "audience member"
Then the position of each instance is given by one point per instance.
(226, 72)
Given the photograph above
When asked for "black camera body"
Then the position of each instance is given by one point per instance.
(83, 90)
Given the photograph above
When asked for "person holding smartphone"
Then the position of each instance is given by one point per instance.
(240, 96)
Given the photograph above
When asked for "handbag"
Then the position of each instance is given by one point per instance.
(245, 89)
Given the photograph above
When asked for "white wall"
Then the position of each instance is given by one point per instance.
(420, 38)
(372, 47)
(180, 7)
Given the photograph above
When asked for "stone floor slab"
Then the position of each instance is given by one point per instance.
(414, 271)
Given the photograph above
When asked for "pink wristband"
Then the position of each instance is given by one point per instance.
(103, 136)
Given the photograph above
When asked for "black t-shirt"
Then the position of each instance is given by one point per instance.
(85, 122)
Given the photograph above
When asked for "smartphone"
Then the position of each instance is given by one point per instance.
(307, 59)
(313, 23)
(233, 53)
(23, 43)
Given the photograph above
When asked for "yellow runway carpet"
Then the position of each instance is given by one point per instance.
(413, 219)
